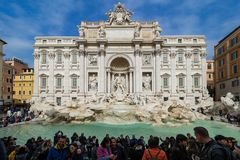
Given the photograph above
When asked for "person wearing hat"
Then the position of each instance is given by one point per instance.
(178, 151)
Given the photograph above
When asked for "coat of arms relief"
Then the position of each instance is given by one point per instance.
(119, 15)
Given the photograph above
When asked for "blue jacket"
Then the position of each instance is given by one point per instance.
(57, 154)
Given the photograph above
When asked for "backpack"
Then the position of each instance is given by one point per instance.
(227, 152)
(154, 158)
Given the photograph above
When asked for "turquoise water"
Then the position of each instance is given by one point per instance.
(23, 132)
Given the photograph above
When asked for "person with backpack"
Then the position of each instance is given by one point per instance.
(210, 149)
(154, 152)
(178, 151)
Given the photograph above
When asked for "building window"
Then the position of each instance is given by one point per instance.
(209, 75)
(195, 57)
(235, 83)
(30, 84)
(196, 82)
(233, 41)
(181, 82)
(44, 58)
(221, 50)
(179, 40)
(220, 74)
(10, 80)
(29, 92)
(59, 82)
(181, 98)
(165, 82)
(221, 62)
(44, 41)
(9, 89)
(165, 58)
(9, 71)
(20, 84)
(23, 92)
(234, 55)
(74, 58)
(43, 82)
(222, 85)
(165, 98)
(180, 58)
(59, 58)
(209, 66)
(58, 100)
(235, 68)
(59, 41)
(8, 97)
(74, 98)
(74, 82)
(194, 40)
(7, 80)
(23, 84)
(19, 92)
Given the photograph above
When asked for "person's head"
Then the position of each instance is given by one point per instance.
(105, 142)
(189, 135)
(201, 134)
(181, 140)
(153, 142)
(230, 142)
(221, 140)
(113, 142)
(73, 148)
(61, 141)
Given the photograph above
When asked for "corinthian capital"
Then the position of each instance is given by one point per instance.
(173, 54)
(36, 55)
(51, 55)
(66, 54)
(203, 54)
(137, 51)
(158, 51)
(188, 54)
(81, 52)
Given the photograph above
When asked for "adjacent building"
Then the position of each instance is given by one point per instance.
(23, 86)
(120, 57)
(227, 65)
(8, 74)
(11, 68)
(210, 78)
(2, 43)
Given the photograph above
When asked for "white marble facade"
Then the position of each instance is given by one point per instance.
(119, 57)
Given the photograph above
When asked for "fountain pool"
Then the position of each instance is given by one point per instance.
(25, 131)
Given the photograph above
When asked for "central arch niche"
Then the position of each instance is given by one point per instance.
(119, 78)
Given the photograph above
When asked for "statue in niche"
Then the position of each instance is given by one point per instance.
(92, 60)
(119, 84)
(137, 30)
(147, 59)
(147, 82)
(93, 83)
(101, 32)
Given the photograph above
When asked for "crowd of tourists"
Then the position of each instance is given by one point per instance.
(16, 115)
(80, 147)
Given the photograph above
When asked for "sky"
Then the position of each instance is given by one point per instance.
(22, 20)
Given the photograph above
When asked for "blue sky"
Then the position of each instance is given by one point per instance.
(22, 20)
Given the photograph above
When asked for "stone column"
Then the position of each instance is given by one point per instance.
(157, 71)
(82, 72)
(51, 79)
(188, 83)
(173, 73)
(138, 72)
(101, 76)
(112, 88)
(36, 76)
(204, 72)
(67, 79)
(130, 81)
(109, 81)
(127, 88)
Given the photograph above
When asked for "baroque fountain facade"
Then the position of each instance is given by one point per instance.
(120, 71)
